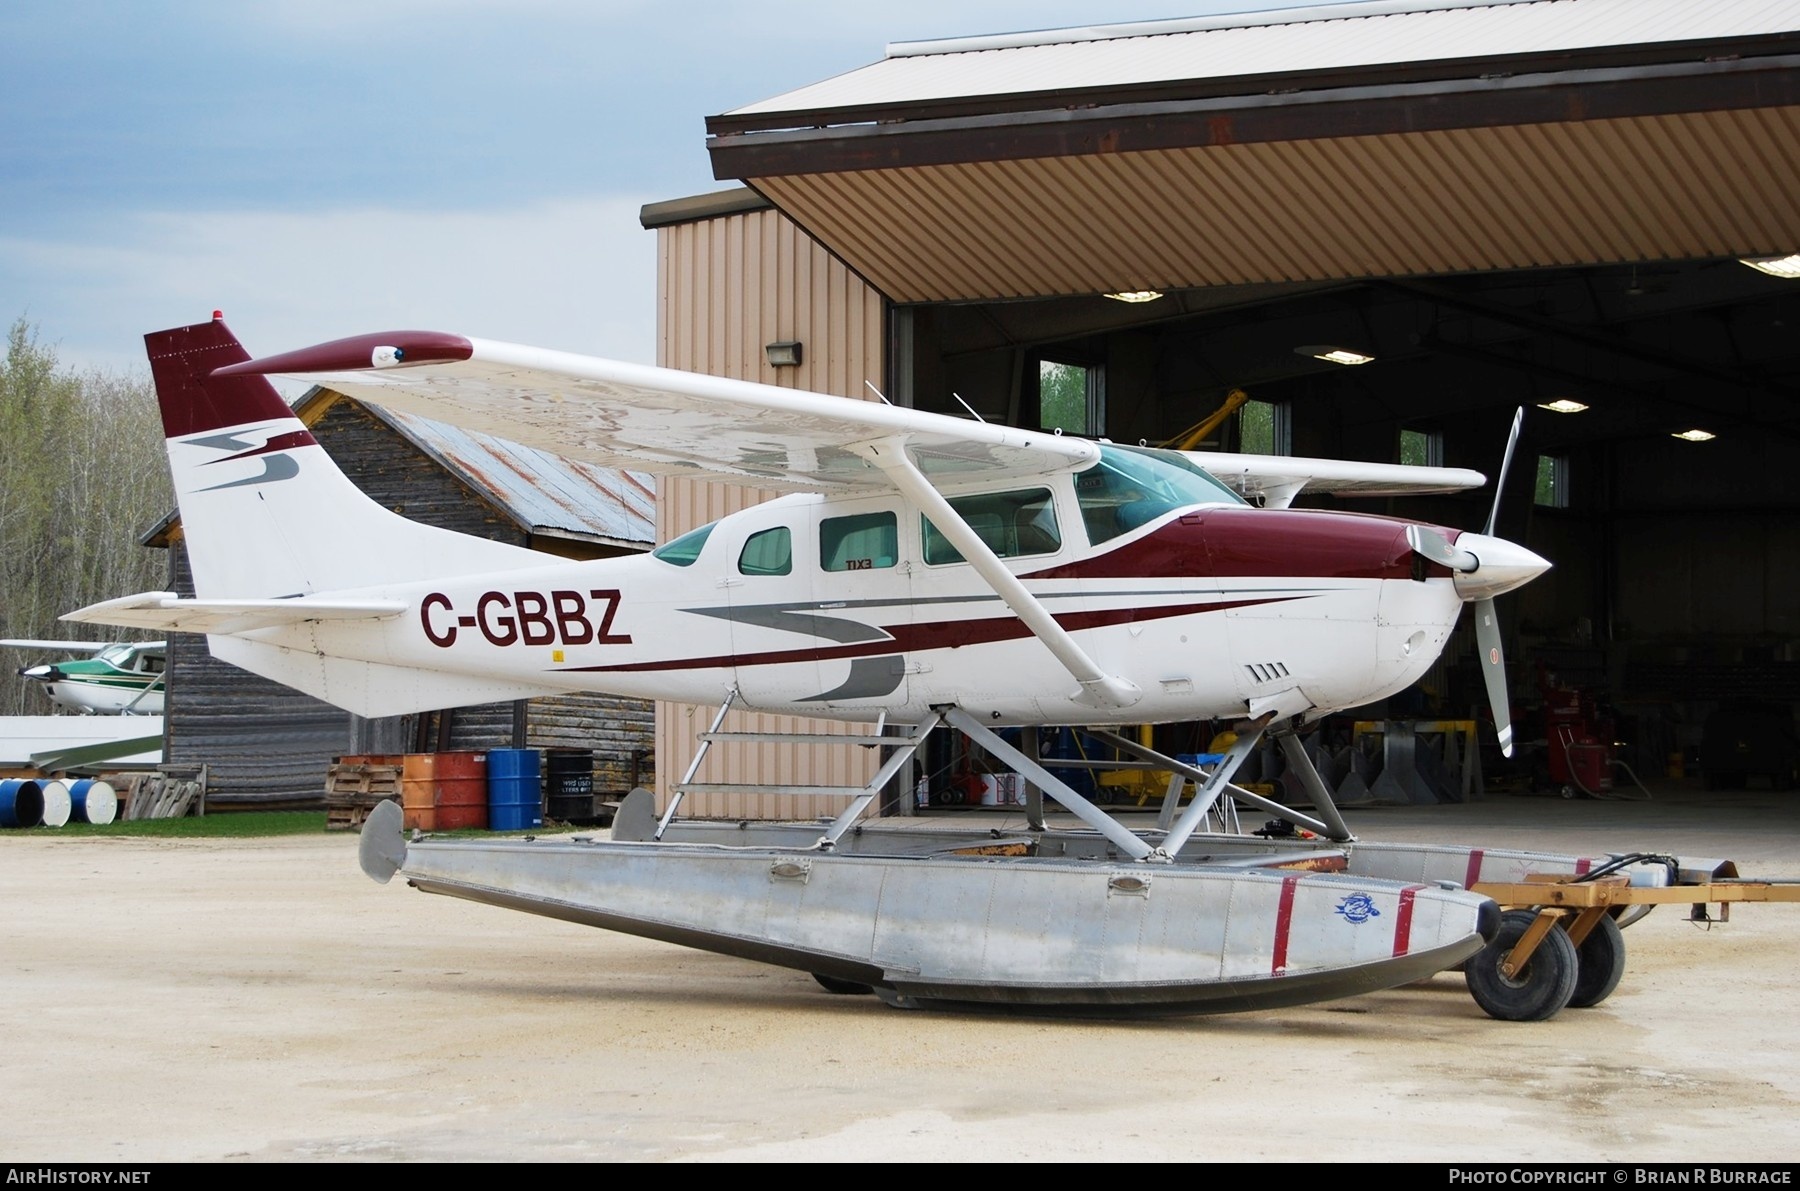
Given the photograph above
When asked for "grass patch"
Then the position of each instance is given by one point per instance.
(226, 825)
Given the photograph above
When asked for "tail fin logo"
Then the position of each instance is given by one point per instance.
(276, 466)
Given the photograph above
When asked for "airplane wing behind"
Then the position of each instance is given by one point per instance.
(661, 420)
(1275, 480)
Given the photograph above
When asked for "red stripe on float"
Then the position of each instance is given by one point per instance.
(1403, 920)
(1284, 918)
(1474, 873)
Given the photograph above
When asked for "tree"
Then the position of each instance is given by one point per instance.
(82, 476)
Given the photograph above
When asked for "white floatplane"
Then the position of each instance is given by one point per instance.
(923, 572)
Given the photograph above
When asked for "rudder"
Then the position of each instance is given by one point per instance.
(265, 512)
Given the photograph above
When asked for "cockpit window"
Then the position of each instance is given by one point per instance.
(685, 549)
(117, 655)
(1132, 486)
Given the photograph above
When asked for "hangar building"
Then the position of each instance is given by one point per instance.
(1391, 224)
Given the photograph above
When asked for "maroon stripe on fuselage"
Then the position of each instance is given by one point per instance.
(182, 362)
(1236, 543)
(943, 634)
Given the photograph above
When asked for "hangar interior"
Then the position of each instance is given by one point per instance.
(1525, 203)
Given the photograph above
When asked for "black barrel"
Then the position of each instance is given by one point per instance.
(569, 785)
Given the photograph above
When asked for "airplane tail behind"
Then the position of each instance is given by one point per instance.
(265, 512)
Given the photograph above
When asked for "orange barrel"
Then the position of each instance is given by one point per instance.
(418, 791)
(462, 791)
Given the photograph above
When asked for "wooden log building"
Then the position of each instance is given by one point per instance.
(267, 746)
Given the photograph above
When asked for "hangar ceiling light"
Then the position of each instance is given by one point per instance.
(1136, 295)
(1785, 267)
(1697, 435)
(1562, 405)
(1334, 355)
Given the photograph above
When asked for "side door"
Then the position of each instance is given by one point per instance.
(861, 605)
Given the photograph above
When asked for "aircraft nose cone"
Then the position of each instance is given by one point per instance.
(41, 673)
(1500, 566)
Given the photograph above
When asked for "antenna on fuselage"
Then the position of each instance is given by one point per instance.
(967, 406)
(877, 392)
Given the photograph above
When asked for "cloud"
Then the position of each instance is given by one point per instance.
(577, 275)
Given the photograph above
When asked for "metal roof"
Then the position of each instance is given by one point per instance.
(1363, 140)
(1258, 45)
(544, 493)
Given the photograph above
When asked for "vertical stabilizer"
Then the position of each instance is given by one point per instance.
(265, 512)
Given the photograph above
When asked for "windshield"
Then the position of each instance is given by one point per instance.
(118, 655)
(1132, 486)
(685, 549)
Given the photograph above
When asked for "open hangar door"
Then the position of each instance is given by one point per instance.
(1503, 202)
(1671, 612)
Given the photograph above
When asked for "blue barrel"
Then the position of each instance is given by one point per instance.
(515, 790)
(21, 803)
(93, 801)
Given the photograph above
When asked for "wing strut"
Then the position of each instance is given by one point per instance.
(1099, 689)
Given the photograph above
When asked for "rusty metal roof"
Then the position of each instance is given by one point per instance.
(546, 494)
(1354, 141)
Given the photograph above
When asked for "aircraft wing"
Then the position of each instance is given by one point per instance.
(661, 420)
(166, 611)
(64, 646)
(1275, 480)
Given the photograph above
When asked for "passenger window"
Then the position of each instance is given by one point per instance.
(1011, 523)
(865, 542)
(770, 552)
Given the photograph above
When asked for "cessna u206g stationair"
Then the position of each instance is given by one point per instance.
(923, 571)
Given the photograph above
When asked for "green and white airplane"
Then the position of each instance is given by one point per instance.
(119, 678)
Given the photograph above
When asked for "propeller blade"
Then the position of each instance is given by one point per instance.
(1500, 483)
(1493, 671)
(1431, 544)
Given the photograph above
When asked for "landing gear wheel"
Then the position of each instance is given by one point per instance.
(1536, 993)
(842, 988)
(1601, 960)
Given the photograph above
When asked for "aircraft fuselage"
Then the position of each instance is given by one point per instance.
(851, 607)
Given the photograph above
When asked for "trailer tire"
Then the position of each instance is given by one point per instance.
(1540, 991)
(842, 988)
(1601, 962)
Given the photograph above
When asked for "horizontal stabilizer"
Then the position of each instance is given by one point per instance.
(168, 612)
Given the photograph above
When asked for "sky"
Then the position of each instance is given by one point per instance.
(323, 168)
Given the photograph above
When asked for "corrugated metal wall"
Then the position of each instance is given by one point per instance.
(726, 287)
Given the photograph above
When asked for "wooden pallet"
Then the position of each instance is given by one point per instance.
(351, 779)
(350, 815)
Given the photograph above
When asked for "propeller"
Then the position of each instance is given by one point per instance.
(1486, 566)
(1487, 623)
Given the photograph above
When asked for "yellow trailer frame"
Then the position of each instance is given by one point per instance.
(1577, 904)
